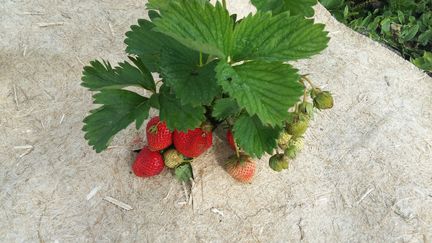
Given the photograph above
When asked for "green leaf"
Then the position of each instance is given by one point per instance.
(153, 14)
(157, 4)
(254, 137)
(119, 109)
(154, 101)
(202, 27)
(409, 32)
(176, 115)
(401, 17)
(191, 83)
(303, 8)
(164, 4)
(346, 12)
(100, 76)
(224, 108)
(141, 40)
(385, 25)
(265, 89)
(332, 4)
(425, 37)
(424, 62)
(275, 6)
(278, 38)
(184, 172)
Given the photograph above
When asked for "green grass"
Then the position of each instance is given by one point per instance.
(403, 25)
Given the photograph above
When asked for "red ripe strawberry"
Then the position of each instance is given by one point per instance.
(230, 139)
(158, 135)
(148, 163)
(242, 169)
(193, 142)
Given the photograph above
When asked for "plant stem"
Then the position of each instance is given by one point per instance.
(237, 149)
(305, 95)
(224, 4)
(201, 59)
(235, 144)
(305, 78)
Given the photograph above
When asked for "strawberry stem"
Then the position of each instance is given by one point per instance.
(224, 4)
(236, 149)
(304, 94)
(207, 126)
(305, 78)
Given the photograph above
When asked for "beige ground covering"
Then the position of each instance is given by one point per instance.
(365, 175)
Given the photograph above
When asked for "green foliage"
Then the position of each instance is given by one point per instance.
(155, 42)
(211, 67)
(277, 38)
(224, 108)
(264, 89)
(192, 83)
(404, 25)
(163, 4)
(184, 172)
(254, 137)
(100, 76)
(424, 62)
(202, 27)
(176, 115)
(119, 109)
(302, 8)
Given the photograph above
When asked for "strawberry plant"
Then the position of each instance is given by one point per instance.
(212, 69)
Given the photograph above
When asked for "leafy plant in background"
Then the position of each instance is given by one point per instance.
(213, 69)
(404, 25)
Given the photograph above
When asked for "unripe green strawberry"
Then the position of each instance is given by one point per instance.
(278, 162)
(306, 108)
(283, 140)
(298, 142)
(323, 100)
(314, 92)
(295, 146)
(173, 158)
(298, 126)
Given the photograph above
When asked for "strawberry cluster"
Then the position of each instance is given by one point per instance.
(170, 149)
(173, 149)
(177, 148)
(291, 139)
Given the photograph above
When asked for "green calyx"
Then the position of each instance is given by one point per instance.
(237, 160)
(323, 100)
(298, 126)
(278, 162)
(207, 126)
(306, 108)
(153, 129)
